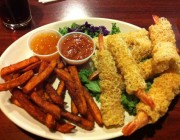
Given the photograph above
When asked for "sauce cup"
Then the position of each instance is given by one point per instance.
(43, 43)
(76, 48)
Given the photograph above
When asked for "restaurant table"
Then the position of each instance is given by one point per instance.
(137, 12)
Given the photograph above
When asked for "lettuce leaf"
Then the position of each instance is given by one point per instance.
(129, 102)
(93, 86)
(114, 29)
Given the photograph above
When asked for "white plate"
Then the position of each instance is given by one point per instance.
(19, 51)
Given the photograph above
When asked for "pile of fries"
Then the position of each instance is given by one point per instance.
(31, 83)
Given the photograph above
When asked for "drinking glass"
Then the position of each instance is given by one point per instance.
(15, 13)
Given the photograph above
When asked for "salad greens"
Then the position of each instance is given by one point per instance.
(89, 29)
(93, 86)
(114, 29)
(130, 101)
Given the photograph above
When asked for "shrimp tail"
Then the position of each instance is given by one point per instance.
(129, 129)
(140, 120)
(145, 98)
(155, 18)
(101, 42)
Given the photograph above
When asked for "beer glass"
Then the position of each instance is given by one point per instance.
(15, 13)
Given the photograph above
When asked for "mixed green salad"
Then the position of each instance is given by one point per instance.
(89, 29)
(128, 101)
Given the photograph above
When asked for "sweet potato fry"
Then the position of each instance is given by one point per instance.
(74, 74)
(17, 81)
(54, 95)
(63, 75)
(15, 75)
(83, 109)
(14, 101)
(60, 65)
(40, 90)
(83, 123)
(89, 116)
(75, 97)
(7, 77)
(86, 124)
(93, 108)
(37, 79)
(40, 87)
(18, 66)
(46, 105)
(46, 97)
(79, 89)
(32, 66)
(28, 106)
(61, 88)
(70, 117)
(50, 121)
(65, 127)
(43, 66)
(66, 69)
(74, 109)
(73, 90)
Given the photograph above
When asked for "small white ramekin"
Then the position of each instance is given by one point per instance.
(71, 61)
(51, 56)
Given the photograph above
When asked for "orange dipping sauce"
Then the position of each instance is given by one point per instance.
(45, 43)
(76, 46)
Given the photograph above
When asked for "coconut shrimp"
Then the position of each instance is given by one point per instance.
(135, 84)
(164, 54)
(161, 31)
(164, 57)
(138, 42)
(111, 85)
(164, 43)
(163, 91)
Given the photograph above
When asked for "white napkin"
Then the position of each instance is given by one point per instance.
(46, 1)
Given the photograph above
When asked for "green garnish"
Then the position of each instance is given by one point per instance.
(114, 29)
(129, 102)
(93, 86)
(89, 29)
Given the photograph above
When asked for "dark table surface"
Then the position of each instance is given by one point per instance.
(138, 12)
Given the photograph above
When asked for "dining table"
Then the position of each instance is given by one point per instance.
(136, 12)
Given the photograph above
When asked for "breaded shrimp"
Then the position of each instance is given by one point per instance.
(138, 42)
(161, 31)
(146, 69)
(164, 54)
(164, 57)
(164, 43)
(135, 84)
(111, 84)
(163, 90)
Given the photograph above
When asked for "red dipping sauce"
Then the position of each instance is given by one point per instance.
(77, 46)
